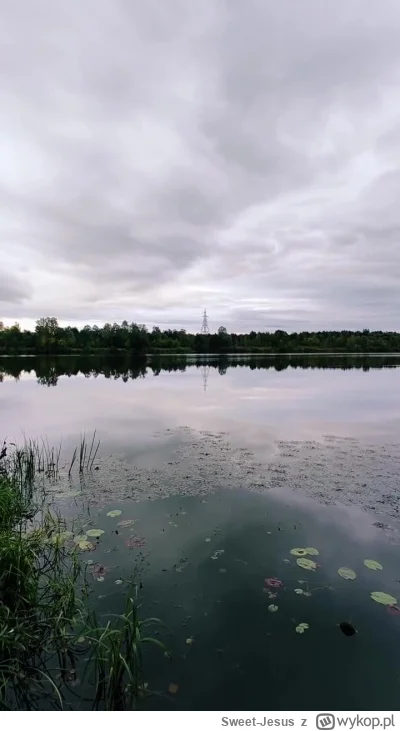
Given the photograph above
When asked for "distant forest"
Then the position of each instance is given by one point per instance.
(49, 338)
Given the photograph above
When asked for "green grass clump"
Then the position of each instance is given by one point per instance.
(50, 638)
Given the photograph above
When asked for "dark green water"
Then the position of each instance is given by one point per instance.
(203, 570)
(222, 485)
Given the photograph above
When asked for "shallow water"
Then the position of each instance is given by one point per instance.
(222, 483)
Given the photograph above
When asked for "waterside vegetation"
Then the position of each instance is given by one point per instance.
(56, 653)
(49, 337)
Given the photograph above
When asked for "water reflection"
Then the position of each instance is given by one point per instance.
(125, 367)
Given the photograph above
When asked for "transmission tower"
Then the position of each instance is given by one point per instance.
(204, 325)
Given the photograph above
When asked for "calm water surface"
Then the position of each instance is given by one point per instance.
(225, 467)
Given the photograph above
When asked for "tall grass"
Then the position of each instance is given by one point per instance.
(50, 637)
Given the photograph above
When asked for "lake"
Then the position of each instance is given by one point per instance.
(244, 484)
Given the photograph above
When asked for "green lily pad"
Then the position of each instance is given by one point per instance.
(78, 539)
(312, 551)
(299, 552)
(94, 532)
(382, 598)
(298, 591)
(306, 563)
(85, 546)
(114, 513)
(301, 628)
(272, 608)
(347, 573)
(119, 581)
(373, 565)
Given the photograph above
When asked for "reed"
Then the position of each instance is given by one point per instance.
(49, 633)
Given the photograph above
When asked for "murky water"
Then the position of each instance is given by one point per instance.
(226, 468)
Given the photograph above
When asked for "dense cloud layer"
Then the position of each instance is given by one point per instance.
(159, 159)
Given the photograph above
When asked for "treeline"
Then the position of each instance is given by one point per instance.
(48, 370)
(49, 338)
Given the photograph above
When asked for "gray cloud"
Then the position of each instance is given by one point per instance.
(243, 157)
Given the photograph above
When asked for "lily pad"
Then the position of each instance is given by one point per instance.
(94, 532)
(299, 552)
(78, 539)
(86, 546)
(124, 523)
(189, 641)
(207, 540)
(373, 565)
(298, 591)
(347, 573)
(306, 563)
(382, 598)
(119, 581)
(312, 551)
(114, 513)
(272, 608)
(301, 628)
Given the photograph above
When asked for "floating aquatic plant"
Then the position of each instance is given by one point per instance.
(301, 628)
(304, 552)
(347, 573)
(306, 563)
(125, 523)
(114, 513)
(94, 533)
(272, 608)
(135, 542)
(86, 546)
(275, 583)
(373, 565)
(382, 598)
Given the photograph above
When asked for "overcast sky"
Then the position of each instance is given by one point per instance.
(158, 158)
